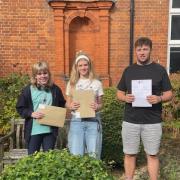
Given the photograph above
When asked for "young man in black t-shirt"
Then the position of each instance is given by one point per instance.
(142, 117)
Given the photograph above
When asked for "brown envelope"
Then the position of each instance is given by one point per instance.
(54, 116)
(85, 98)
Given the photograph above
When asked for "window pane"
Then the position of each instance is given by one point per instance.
(176, 4)
(174, 59)
(175, 27)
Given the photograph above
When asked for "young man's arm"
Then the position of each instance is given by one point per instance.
(166, 96)
(122, 96)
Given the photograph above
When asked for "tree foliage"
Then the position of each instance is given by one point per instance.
(10, 88)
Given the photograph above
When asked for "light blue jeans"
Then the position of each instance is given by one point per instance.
(85, 136)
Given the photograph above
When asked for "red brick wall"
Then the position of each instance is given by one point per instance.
(155, 25)
(151, 19)
(27, 34)
(119, 39)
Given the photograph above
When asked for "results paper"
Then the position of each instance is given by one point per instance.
(141, 89)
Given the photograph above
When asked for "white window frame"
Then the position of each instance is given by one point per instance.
(171, 43)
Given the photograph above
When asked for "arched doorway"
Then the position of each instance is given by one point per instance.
(81, 37)
(81, 25)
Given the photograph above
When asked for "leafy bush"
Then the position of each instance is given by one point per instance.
(170, 158)
(54, 165)
(171, 110)
(172, 128)
(10, 88)
(112, 116)
(170, 169)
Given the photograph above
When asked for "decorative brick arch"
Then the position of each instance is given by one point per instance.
(81, 13)
(70, 49)
(65, 13)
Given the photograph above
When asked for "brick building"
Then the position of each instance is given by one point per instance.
(54, 30)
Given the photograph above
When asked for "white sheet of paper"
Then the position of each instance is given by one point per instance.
(141, 89)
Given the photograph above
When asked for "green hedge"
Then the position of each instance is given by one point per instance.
(112, 116)
(56, 165)
(10, 88)
(171, 110)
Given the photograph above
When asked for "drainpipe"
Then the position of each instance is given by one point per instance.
(131, 32)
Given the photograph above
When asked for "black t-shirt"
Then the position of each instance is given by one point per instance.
(160, 83)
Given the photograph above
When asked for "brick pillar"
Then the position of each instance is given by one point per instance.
(104, 43)
(59, 40)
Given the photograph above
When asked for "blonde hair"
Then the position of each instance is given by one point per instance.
(74, 77)
(41, 66)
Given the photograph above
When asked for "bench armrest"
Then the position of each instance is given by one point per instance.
(4, 138)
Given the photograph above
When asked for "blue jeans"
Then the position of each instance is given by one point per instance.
(85, 136)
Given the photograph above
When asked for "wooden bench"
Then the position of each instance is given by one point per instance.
(12, 146)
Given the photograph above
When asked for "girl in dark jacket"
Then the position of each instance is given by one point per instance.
(41, 91)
